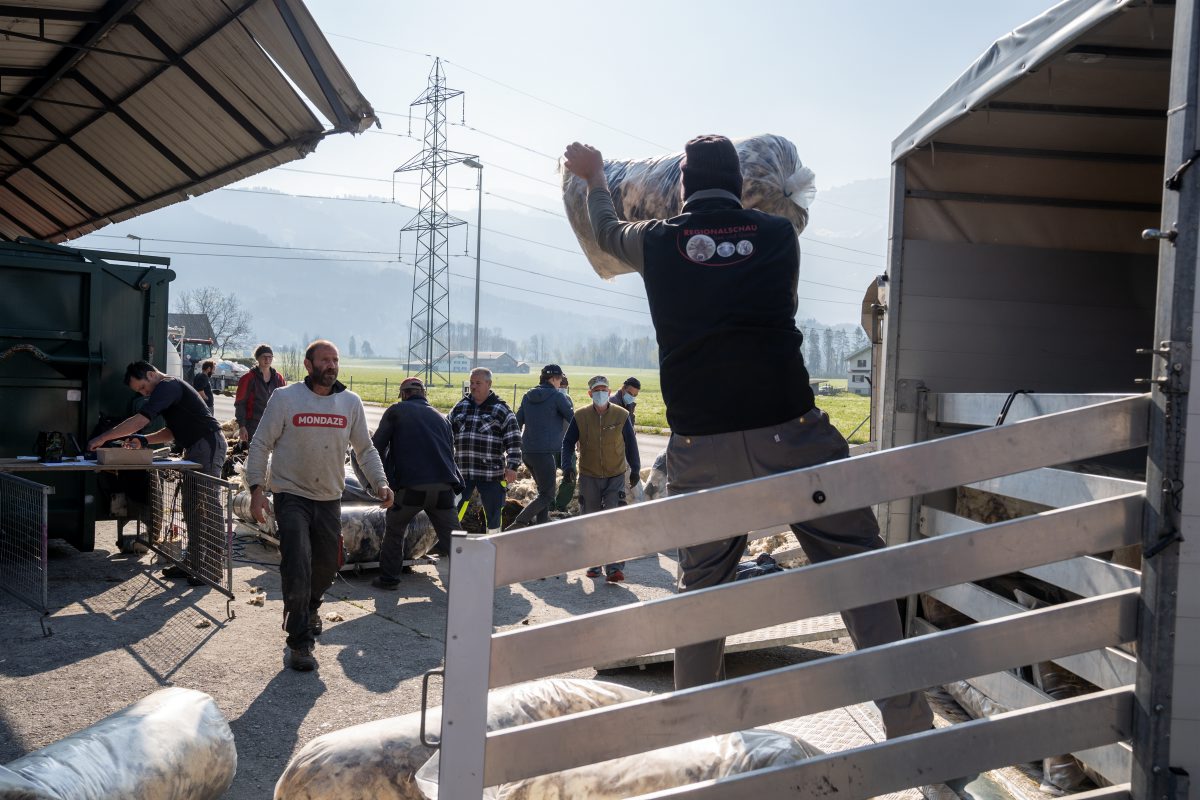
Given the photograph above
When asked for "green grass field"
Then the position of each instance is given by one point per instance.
(378, 380)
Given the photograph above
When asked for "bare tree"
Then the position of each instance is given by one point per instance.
(292, 363)
(230, 322)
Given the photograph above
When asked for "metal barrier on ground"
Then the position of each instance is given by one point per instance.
(23, 546)
(188, 520)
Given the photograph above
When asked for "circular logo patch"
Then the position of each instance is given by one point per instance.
(701, 248)
(725, 249)
(744, 248)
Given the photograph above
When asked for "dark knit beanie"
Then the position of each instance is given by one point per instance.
(711, 162)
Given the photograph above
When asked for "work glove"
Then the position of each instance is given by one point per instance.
(569, 474)
(634, 480)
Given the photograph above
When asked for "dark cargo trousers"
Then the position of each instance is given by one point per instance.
(544, 472)
(437, 501)
(309, 541)
(703, 462)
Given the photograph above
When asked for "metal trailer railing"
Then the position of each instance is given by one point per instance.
(478, 659)
(24, 553)
(1086, 576)
(188, 521)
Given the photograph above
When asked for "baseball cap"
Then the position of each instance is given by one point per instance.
(634, 382)
(411, 383)
(551, 371)
(597, 380)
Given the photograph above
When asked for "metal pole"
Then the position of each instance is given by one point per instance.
(478, 238)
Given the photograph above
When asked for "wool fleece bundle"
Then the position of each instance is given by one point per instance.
(773, 181)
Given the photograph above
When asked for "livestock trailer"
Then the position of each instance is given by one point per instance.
(1034, 352)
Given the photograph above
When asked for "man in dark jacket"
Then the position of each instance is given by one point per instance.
(544, 414)
(487, 446)
(721, 284)
(254, 390)
(418, 456)
(627, 397)
(202, 383)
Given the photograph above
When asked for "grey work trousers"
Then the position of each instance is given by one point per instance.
(703, 462)
(597, 494)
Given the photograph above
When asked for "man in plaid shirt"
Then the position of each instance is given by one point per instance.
(487, 445)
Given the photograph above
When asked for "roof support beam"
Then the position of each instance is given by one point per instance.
(344, 123)
(177, 60)
(1078, 111)
(304, 145)
(149, 78)
(38, 171)
(1028, 152)
(69, 141)
(29, 201)
(1027, 200)
(68, 57)
(138, 128)
(58, 15)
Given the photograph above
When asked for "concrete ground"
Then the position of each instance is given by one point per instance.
(120, 632)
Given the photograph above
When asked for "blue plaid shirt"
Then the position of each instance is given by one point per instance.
(487, 438)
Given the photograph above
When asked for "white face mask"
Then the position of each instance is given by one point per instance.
(600, 398)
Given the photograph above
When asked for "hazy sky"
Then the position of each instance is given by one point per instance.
(840, 79)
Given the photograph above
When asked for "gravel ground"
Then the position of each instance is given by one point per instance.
(120, 632)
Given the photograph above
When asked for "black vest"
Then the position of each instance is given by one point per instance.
(721, 282)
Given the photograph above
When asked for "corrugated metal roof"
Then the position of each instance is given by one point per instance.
(110, 109)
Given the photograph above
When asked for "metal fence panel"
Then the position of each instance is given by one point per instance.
(24, 554)
(188, 520)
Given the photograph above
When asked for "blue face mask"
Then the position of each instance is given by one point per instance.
(567, 392)
(600, 398)
(628, 399)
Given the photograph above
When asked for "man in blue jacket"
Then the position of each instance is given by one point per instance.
(418, 456)
(543, 414)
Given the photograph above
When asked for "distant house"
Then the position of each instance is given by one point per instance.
(195, 326)
(460, 361)
(858, 371)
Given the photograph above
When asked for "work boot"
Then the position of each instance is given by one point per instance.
(174, 571)
(303, 660)
(316, 626)
(383, 583)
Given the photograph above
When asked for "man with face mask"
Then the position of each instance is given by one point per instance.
(721, 284)
(307, 426)
(607, 452)
(626, 398)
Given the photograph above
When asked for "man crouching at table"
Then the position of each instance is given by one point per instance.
(189, 425)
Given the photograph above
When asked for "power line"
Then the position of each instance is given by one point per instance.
(501, 233)
(506, 141)
(556, 296)
(272, 258)
(551, 277)
(255, 246)
(379, 44)
(311, 196)
(820, 199)
(841, 260)
(841, 247)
